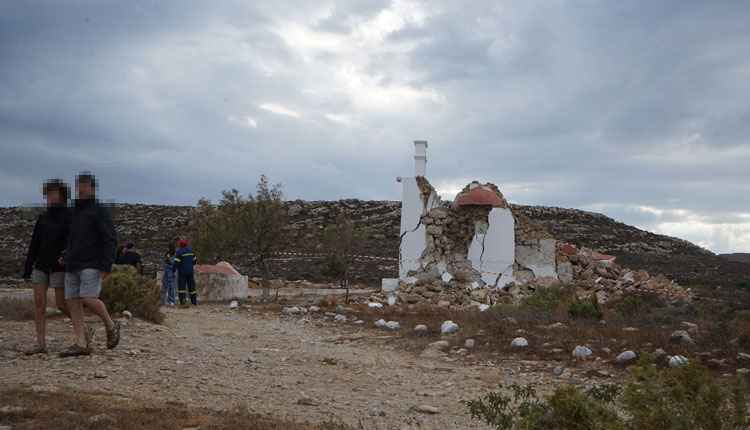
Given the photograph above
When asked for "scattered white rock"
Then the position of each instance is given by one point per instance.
(314, 309)
(234, 304)
(427, 409)
(447, 277)
(448, 327)
(421, 329)
(483, 307)
(581, 352)
(291, 310)
(742, 356)
(339, 318)
(626, 357)
(127, 314)
(392, 325)
(391, 299)
(681, 337)
(469, 344)
(380, 323)
(557, 371)
(519, 342)
(375, 305)
(677, 361)
(359, 322)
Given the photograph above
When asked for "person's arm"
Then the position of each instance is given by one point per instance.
(28, 266)
(108, 236)
(177, 261)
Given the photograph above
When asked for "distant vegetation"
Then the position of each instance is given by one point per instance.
(670, 399)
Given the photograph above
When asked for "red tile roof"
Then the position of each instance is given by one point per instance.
(222, 267)
(480, 196)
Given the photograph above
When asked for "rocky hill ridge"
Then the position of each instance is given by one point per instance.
(151, 227)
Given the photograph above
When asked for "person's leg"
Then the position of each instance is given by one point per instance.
(57, 283)
(191, 289)
(91, 287)
(163, 292)
(40, 317)
(181, 287)
(171, 291)
(73, 304)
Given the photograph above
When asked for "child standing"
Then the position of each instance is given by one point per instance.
(168, 281)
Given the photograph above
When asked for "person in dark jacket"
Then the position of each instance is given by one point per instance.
(129, 256)
(88, 260)
(42, 266)
(184, 261)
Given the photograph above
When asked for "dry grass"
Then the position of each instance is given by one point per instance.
(16, 309)
(72, 410)
(641, 324)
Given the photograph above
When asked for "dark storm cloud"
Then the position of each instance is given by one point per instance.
(637, 109)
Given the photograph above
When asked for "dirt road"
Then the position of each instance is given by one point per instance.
(299, 367)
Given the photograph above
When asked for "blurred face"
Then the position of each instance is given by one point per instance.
(53, 197)
(84, 190)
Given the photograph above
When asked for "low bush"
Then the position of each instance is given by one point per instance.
(547, 298)
(653, 399)
(125, 289)
(587, 308)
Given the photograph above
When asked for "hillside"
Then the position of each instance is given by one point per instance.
(739, 257)
(152, 226)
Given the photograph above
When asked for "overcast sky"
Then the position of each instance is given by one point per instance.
(639, 110)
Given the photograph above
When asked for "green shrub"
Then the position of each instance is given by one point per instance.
(547, 298)
(670, 399)
(567, 408)
(687, 397)
(744, 285)
(125, 289)
(585, 309)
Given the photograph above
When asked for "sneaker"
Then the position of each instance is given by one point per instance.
(89, 333)
(37, 350)
(75, 350)
(113, 336)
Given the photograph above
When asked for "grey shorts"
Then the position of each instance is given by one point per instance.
(53, 280)
(83, 283)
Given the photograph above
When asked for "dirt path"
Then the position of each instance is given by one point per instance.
(289, 367)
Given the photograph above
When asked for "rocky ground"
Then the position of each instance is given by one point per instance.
(300, 367)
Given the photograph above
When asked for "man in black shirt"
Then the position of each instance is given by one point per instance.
(88, 260)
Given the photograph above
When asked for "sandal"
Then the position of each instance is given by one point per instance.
(89, 333)
(75, 350)
(113, 336)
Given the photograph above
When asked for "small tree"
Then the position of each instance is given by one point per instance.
(253, 224)
(339, 240)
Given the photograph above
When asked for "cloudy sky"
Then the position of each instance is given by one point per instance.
(635, 109)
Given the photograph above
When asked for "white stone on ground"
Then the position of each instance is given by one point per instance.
(339, 318)
(392, 325)
(291, 310)
(677, 361)
(469, 344)
(314, 309)
(127, 314)
(234, 304)
(519, 342)
(375, 305)
(380, 323)
(447, 277)
(448, 327)
(626, 357)
(483, 307)
(681, 337)
(421, 329)
(581, 352)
